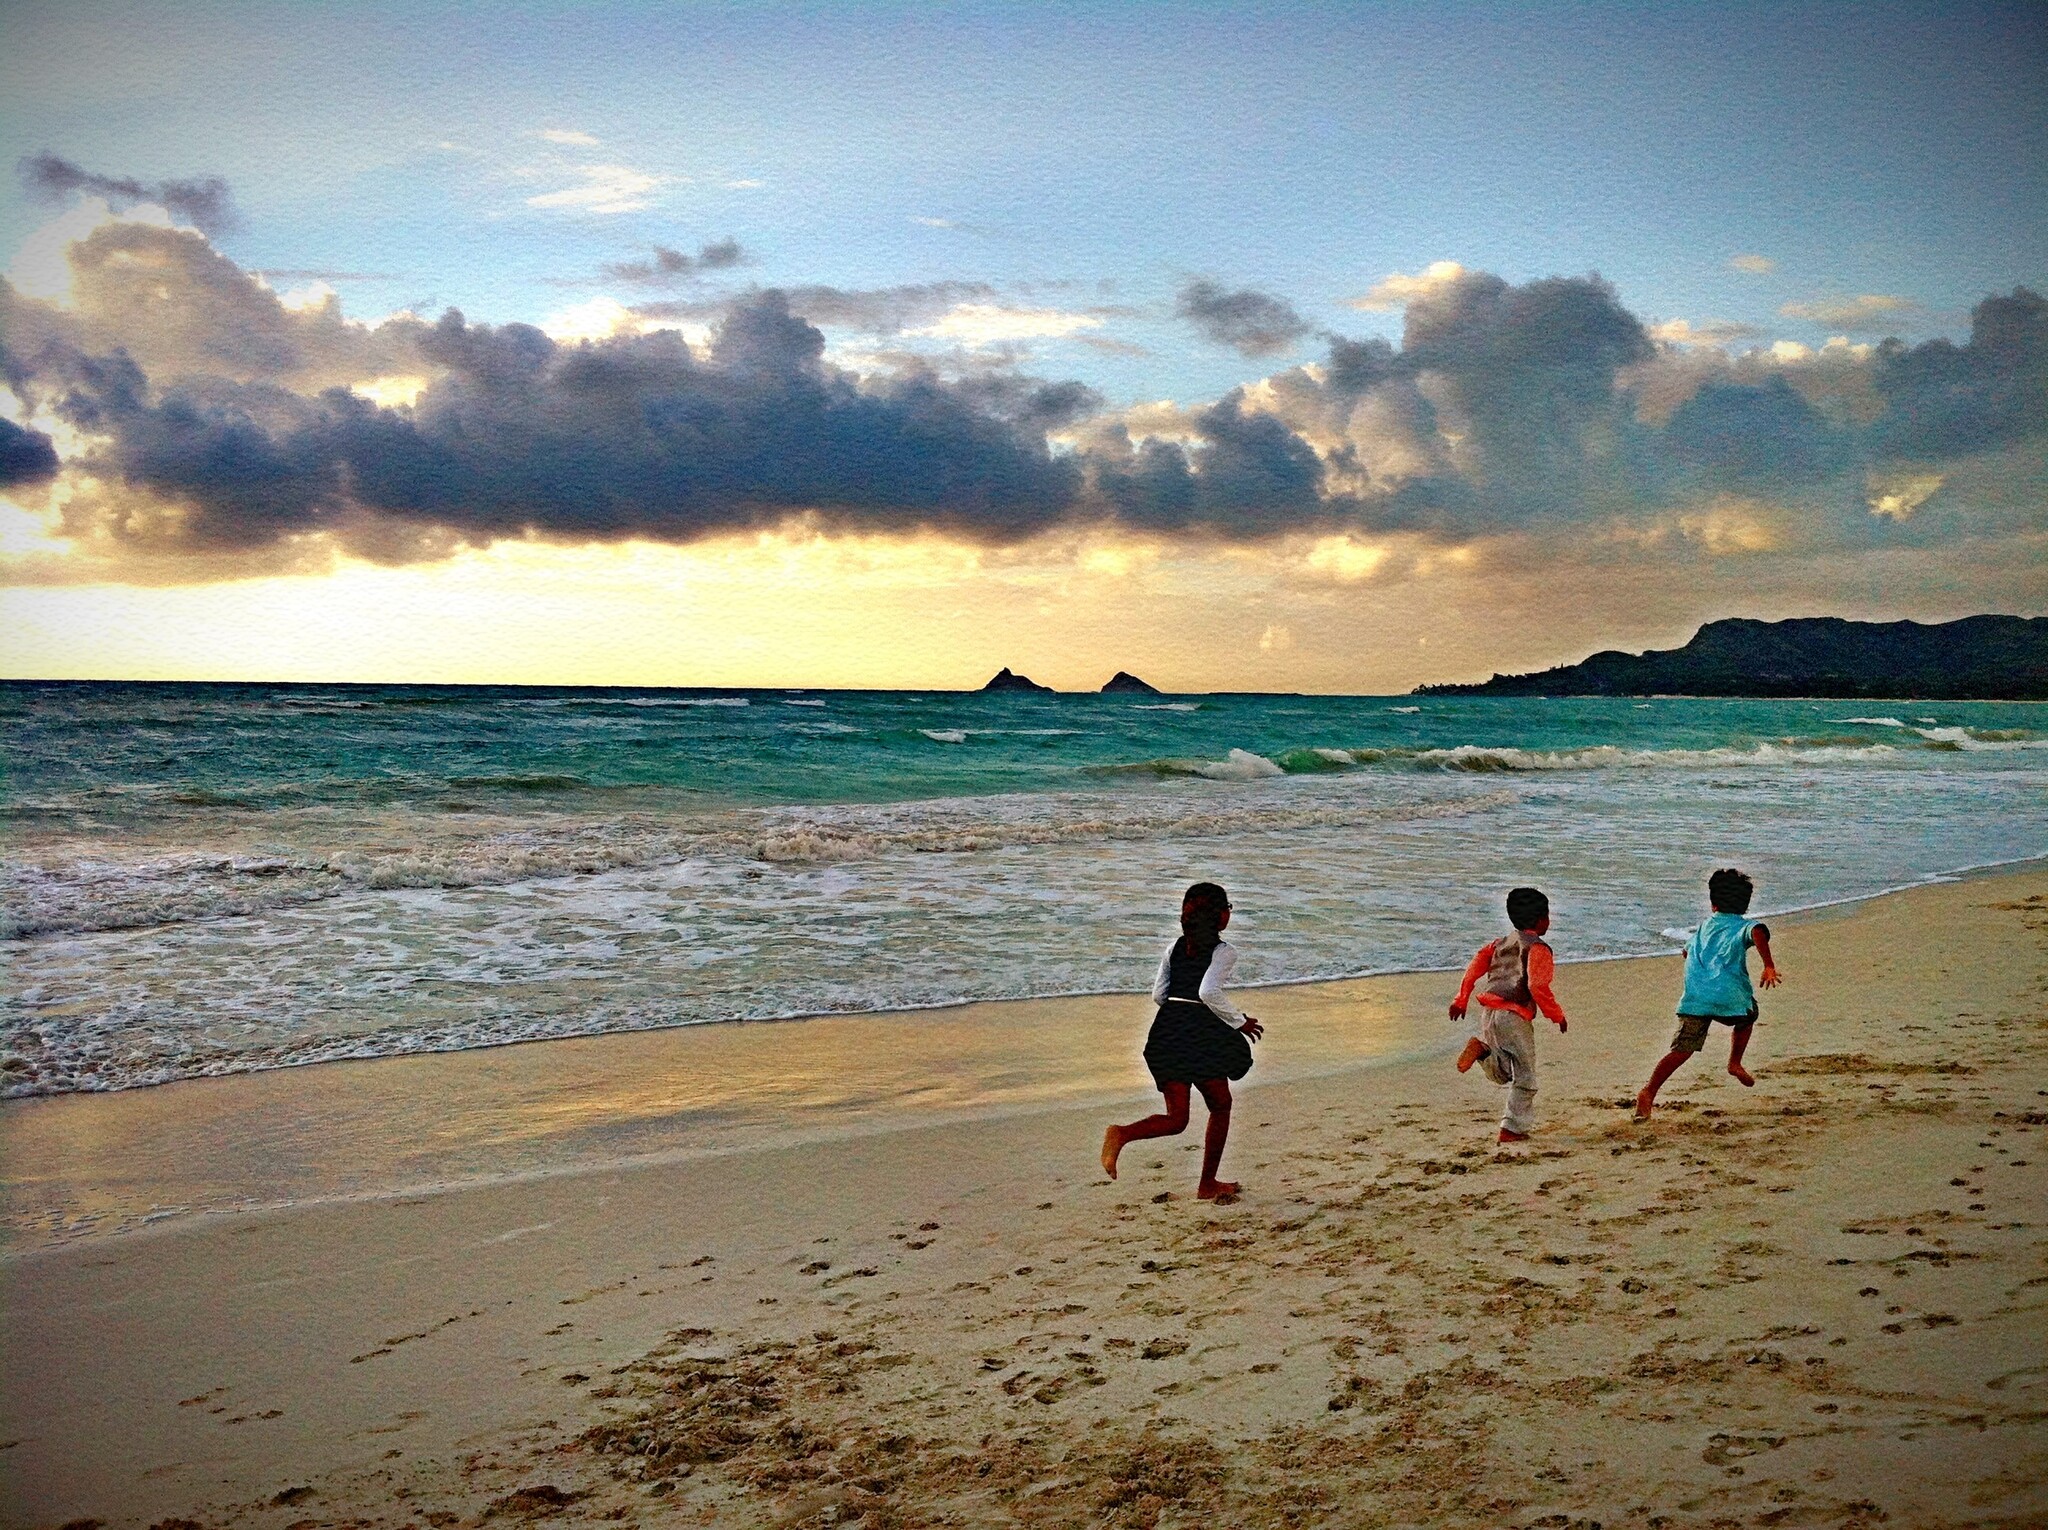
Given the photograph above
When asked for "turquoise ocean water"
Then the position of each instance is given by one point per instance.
(208, 879)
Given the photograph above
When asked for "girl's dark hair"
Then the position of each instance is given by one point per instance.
(1729, 891)
(1202, 908)
(1527, 907)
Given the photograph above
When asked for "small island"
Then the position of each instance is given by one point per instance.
(1977, 658)
(1124, 683)
(1004, 680)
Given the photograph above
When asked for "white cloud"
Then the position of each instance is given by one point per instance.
(42, 265)
(1707, 332)
(744, 185)
(1342, 559)
(1276, 639)
(396, 391)
(605, 189)
(1753, 265)
(1867, 311)
(600, 318)
(1895, 496)
(935, 222)
(980, 324)
(1400, 289)
(574, 138)
(311, 298)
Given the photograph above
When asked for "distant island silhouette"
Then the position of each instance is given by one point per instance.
(1004, 680)
(1978, 658)
(1123, 682)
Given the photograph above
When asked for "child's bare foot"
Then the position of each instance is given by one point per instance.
(1217, 1190)
(1741, 1075)
(1644, 1105)
(1474, 1050)
(1508, 1136)
(1112, 1144)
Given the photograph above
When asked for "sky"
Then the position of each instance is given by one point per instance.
(1326, 348)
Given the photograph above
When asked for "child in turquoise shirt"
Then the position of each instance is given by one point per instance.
(1717, 987)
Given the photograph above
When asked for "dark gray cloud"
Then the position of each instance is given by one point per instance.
(1944, 399)
(670, 265)
(1252, 323)
(1754, 436)
(634, 436)
(26, 456)
(203, 202)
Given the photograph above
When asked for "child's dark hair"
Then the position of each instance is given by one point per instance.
(1202, 908)
(1527, 908)
(1729, 891)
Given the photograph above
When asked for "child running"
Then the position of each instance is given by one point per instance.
(1198, 1037)
(1717, 987)
(1513, 977)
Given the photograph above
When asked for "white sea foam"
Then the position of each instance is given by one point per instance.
(1405, 711)
(1167, 706)
(945, 735)
(794, 702)
(1874, 722)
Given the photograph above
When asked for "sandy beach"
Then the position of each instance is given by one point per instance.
(1823, 1301)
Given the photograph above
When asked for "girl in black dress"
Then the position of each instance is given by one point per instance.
(1198, 1038)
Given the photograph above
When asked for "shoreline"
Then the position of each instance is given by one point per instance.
(1820, 1295)
(174, 1115)
(1931, 879)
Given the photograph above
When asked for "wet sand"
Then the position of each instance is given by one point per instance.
(1821, 1301)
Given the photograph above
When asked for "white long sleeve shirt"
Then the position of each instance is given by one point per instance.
(1221, 963)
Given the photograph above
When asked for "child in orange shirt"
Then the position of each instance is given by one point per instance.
(1513, 976)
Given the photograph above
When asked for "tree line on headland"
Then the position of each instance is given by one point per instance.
(1979, 658)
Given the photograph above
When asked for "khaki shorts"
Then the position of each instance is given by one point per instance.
(1691, 1034)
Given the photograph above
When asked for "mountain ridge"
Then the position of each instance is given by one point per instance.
(1974, 658)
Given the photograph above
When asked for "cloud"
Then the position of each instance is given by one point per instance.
(1252, 323)
(744, 185)
(667, 265)
(869, 310)
(1944, 400)
(204, 202)
(197, 422)
(1866, 314)
(1708, 332)
(1752, 265)
(569, 137)
(981, 324)
(604, 189)
(177, 307)
(26, 456)
(1398, 290)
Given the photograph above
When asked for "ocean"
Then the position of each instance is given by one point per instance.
(212, 879)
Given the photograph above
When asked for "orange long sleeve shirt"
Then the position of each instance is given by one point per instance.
(1541, 968)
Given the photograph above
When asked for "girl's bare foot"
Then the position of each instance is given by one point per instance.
(1644, 1104)
(1220, 1190)
(1474, 1050)
(1741, 1075)
(1112, 1144)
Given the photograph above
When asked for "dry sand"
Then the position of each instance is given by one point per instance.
(1817, 1302)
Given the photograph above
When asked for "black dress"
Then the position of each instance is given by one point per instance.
(1189, 1042)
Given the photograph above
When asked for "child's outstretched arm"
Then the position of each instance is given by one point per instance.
(1542, 967)
(1473, 973)
(1760, 937)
